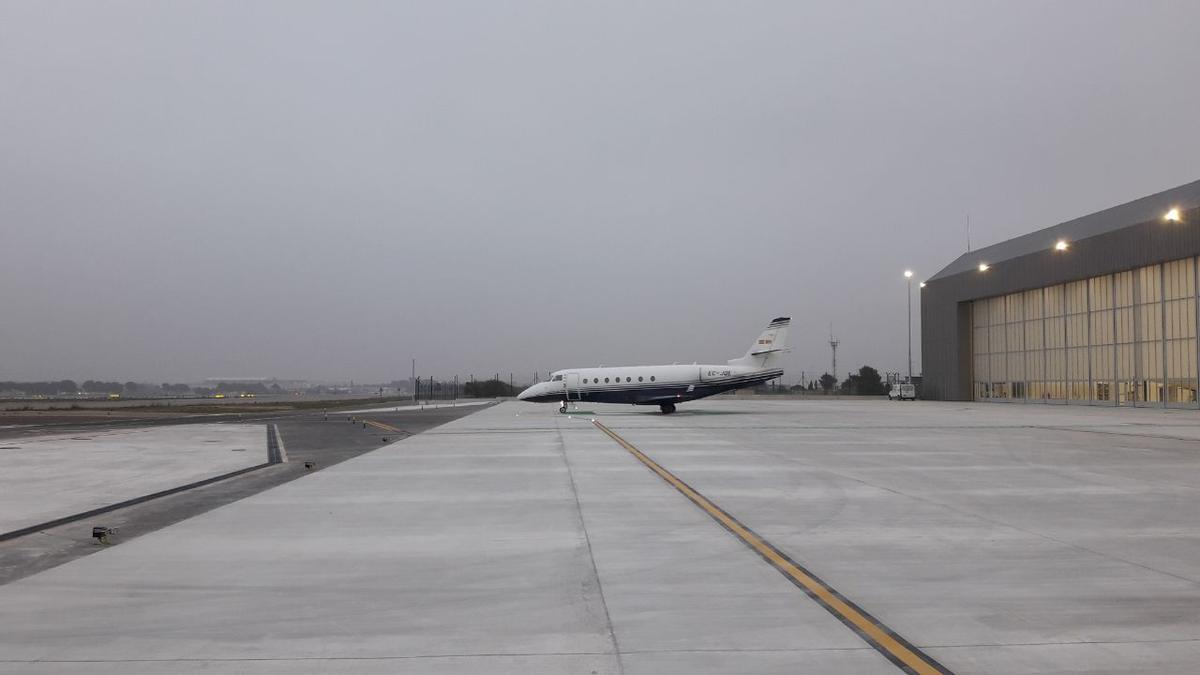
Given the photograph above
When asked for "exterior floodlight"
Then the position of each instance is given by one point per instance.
(1172, 216)
(983, 267)
(907, 274)
(922, 284)
(1061, 245)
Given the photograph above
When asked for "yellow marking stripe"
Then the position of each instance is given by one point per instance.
(381, 425)
(881, 638)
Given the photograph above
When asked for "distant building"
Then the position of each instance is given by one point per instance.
(213, 381)
(1098, 310)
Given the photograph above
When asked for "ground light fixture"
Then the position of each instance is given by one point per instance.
(907, 274)
(1172, 216)
(102, 534)
(922, 284)
(983, 267)
(1062, 245)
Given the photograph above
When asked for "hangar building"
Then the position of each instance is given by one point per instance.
(1099, 310)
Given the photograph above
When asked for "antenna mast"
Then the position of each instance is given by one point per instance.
(833, 344)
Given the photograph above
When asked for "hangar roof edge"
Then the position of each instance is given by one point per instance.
(1129, 214)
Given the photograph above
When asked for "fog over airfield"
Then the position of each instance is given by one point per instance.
(325, 190)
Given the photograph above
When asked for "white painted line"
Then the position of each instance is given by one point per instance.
(279, 443)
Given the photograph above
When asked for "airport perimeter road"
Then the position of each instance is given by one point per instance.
(734, 536)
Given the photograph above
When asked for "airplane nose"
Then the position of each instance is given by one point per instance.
(525, 394)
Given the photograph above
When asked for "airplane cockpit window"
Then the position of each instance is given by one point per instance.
(557, 378)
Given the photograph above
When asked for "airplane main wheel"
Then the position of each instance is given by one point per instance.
(667, 408)
(562, 408)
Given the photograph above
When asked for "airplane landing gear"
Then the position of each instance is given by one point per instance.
(562, 408)
(667, 408)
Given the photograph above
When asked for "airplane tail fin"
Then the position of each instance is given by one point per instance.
(766, 350)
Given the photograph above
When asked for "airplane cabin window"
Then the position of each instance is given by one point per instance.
(651, 378)
(639, 378)
(606, 380)
(629, 379)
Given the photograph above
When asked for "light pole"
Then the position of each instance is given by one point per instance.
(908, 274)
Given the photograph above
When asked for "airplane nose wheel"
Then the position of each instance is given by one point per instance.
(667, 408)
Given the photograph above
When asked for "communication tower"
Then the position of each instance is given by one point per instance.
(833, 345)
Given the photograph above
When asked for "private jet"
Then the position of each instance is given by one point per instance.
(665, 386)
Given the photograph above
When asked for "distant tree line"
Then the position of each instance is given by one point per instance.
(492, 388)
(41, 388)
(866, 382)
(65, 387)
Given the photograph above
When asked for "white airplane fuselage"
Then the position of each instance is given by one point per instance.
(646, 385)
(664, 386)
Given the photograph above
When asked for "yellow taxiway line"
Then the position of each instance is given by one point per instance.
(384, 427)
(898, 650)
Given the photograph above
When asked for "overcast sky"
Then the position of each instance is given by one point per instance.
(325, 190)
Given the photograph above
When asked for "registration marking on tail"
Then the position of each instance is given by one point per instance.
(895, 648)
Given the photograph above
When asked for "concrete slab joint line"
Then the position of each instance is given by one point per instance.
(892, 646)
(612, 634)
